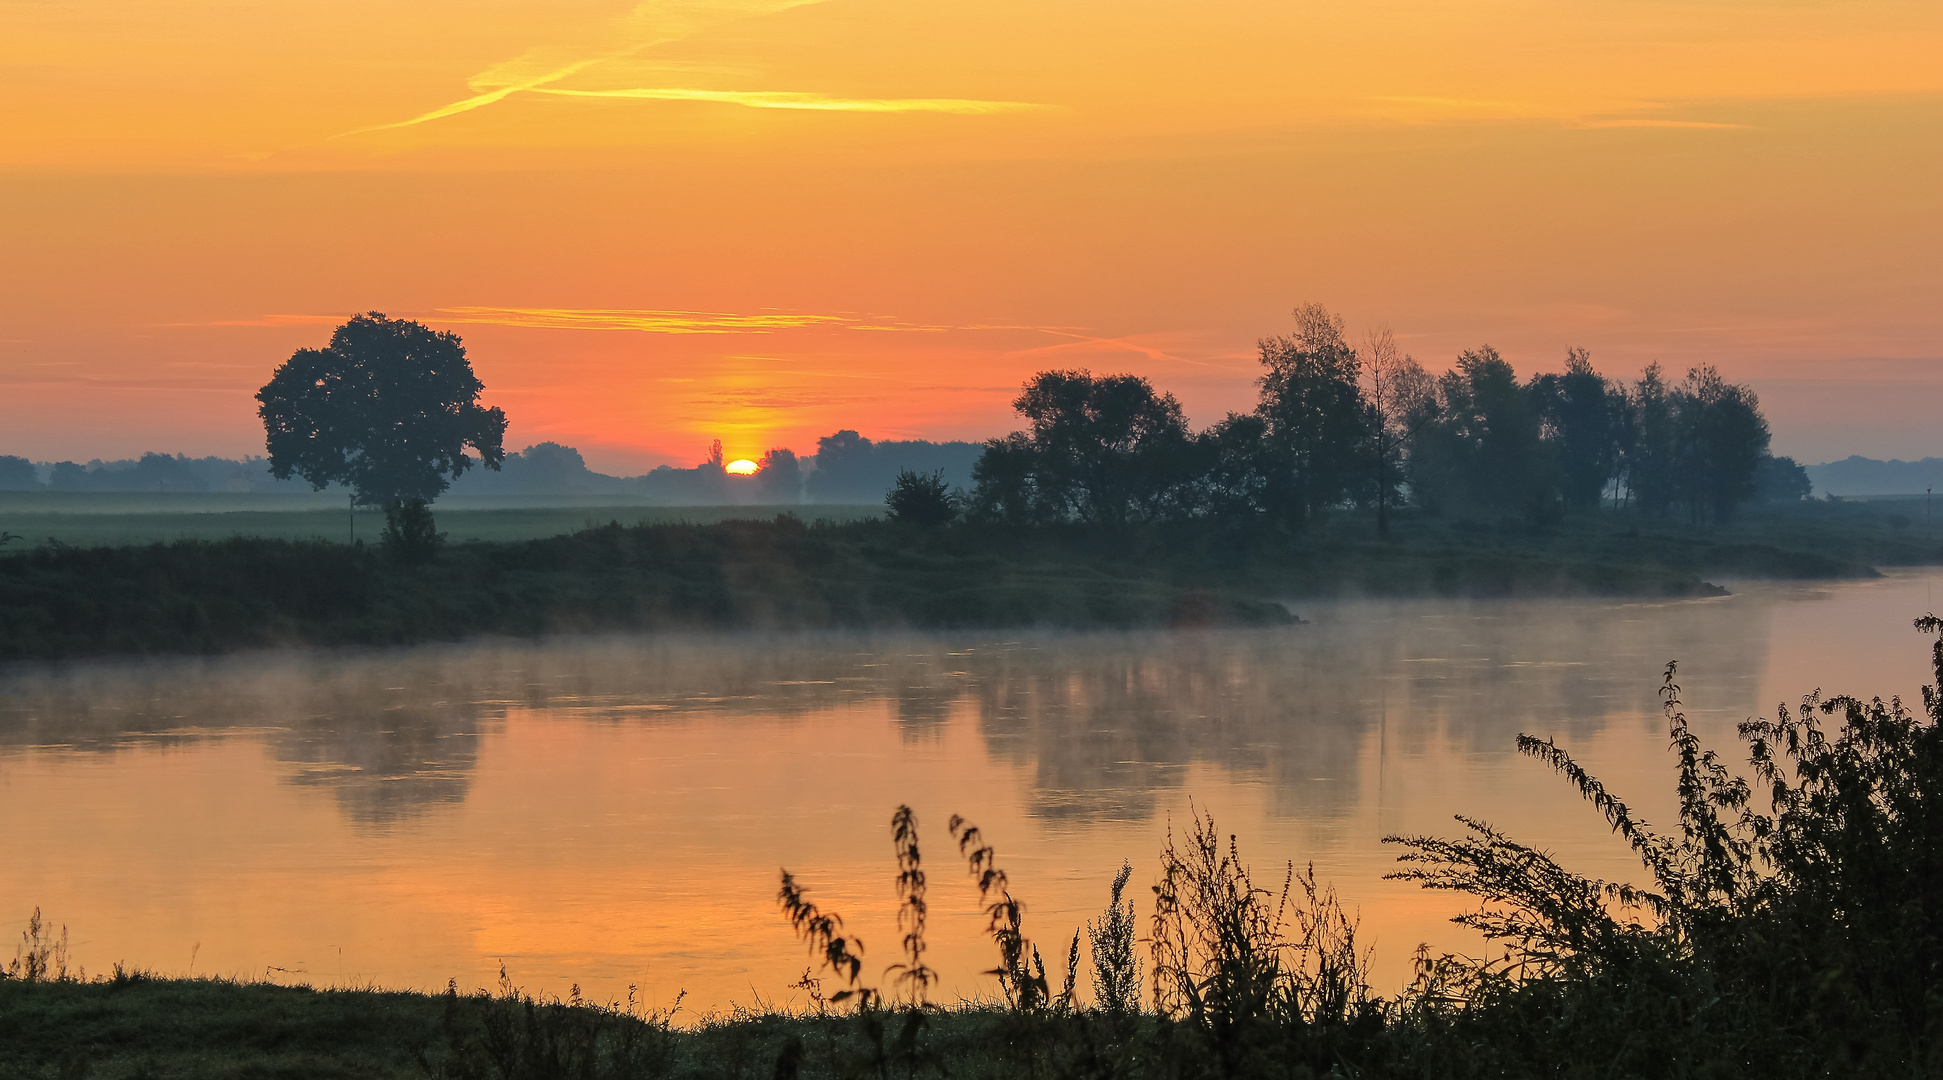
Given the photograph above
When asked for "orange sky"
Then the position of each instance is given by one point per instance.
(760, 220)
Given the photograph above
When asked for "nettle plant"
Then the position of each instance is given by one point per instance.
(1808, 883)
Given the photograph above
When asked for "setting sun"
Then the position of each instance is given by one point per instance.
(741, 467)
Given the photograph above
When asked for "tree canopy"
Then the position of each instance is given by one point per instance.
(1317, 425)
(389, 408)
(1103, 449)
(1339, 427)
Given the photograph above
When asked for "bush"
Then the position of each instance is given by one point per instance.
(411, 536)
(918, 499)
(1803, 940)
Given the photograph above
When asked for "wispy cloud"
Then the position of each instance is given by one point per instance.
(1648, 122)
(796, 99)
(1430, 109)
(646, 25)
(269, 320)
(642, 320)
(639, 319)
(660, 22)
(1090, 343)
(659, 321)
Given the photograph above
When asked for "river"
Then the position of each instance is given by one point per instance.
(614, 811)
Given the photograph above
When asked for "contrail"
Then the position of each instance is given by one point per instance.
(656, 22)
(796, 99)
(479, 100)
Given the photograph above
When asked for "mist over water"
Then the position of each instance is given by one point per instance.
(614, 811)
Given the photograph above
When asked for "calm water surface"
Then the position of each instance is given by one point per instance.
(614, 812)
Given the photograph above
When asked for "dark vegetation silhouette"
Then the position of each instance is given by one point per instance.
(1339, 429)
(388, 408)
(1101, 451)
(159, 473)
(1861, 476)
(217, 596)
(852, 470)
(917, 499)
(1786, 925)
(411, 535)
(1116, 965)
(210, 596)
(18, 474)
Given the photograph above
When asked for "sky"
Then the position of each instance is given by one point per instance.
(658, 224)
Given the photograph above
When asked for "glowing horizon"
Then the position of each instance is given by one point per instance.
(657, 224)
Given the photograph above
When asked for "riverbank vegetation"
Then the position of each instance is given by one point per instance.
(1339, 425)
(1785, 926)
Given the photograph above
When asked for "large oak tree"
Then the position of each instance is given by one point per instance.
(389, 408)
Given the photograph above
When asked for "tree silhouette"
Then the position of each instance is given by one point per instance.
(1399, 399)
(388, 407)
(1337, 427)
(1314, 411)
(1577, 409)
(17, 474)
(1484, 451)
(1105, 450)
(780, 476)
(1726, 438)
(921, 499)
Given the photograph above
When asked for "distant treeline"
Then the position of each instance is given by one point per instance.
(1860, 476)
(150, 472)
(1338, 426)
(847, 468)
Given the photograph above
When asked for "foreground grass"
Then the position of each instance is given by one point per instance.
(162, 1029)
(783, 574)
(210, 1028)
(140, 1026)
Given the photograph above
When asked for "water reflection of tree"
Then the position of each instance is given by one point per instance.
(1103, 724)
(386, 765)
(393, 734)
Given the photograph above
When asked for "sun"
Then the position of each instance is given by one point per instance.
(741, 467)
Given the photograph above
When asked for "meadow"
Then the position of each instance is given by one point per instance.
(112, 519)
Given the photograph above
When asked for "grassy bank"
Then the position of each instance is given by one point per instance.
(782, 574)
(214, 596)
(113, 519)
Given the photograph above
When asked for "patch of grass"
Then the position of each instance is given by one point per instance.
(214, 596)
(138, 518)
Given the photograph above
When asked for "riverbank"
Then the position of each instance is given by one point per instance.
(208, 597)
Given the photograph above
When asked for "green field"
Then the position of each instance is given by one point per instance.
(89, 519)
